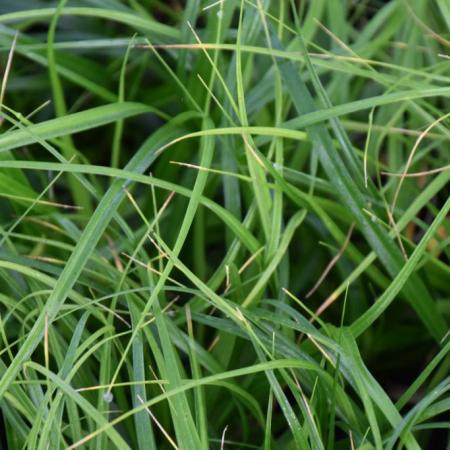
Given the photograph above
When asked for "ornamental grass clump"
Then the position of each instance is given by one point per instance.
(224, 225)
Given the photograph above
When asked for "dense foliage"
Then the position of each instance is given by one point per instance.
(224, 225)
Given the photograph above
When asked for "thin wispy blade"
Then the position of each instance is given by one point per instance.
(332, 263)
(418, 174)
(422, 136)
(212, 5)
(7, 72)
(159, 425)
(222, 440)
